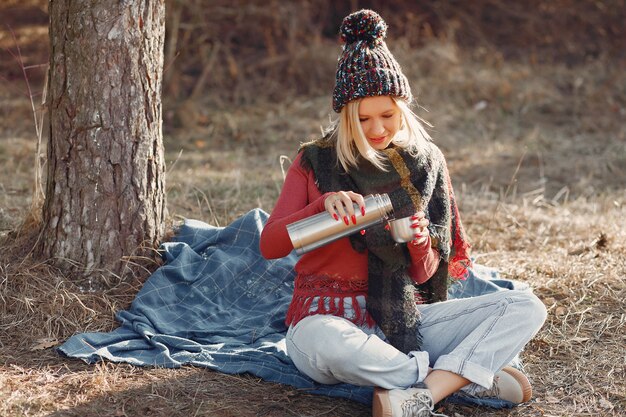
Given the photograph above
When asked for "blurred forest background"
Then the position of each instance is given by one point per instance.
(527, 99)
(257, 76)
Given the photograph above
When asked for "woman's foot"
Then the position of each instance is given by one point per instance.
(509, 384)
(410, 402)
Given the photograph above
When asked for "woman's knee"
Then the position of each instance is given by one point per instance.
(340, 340)
(534, 310)
(325, 336)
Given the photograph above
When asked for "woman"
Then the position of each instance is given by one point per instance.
(368, 311)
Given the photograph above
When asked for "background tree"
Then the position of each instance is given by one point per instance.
(105, 193)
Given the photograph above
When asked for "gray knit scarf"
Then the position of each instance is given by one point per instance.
(413, 183)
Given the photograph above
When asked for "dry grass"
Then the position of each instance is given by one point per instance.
(538, 156)
(574, 256)
(576, 361)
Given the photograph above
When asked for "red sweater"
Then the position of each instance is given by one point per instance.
(333, 271)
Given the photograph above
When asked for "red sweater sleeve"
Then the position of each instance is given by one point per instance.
(293, 204)
(425, 260)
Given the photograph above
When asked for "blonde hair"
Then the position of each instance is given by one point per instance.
(351, 141)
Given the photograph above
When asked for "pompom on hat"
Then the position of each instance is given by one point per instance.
(366, 67)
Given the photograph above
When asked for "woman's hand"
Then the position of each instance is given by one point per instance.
(340, 205)
(419, 224)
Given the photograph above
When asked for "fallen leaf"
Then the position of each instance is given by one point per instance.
(579, 339)
(44, 343)
(549, 301)
(601, 242)
(606, 404)
(578, 251)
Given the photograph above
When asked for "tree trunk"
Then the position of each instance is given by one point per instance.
(105, 192)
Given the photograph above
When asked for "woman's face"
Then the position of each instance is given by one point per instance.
(380, 120)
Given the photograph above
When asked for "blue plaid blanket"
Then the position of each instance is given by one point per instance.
(217, 303)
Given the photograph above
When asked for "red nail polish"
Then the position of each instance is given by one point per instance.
(362, 211)
(353, 217)
(415, 226)
(345, 220)
(387, 227)
(363, 232)
(335, 217)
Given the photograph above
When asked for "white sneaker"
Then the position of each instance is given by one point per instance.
(509, 384)
(410, 402)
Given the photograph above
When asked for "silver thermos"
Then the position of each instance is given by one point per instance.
(320, 229)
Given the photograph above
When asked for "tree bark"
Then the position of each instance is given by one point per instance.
(105, 190)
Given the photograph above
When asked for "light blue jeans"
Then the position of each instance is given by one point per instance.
(472, 337)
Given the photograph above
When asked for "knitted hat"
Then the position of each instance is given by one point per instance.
(366, 67)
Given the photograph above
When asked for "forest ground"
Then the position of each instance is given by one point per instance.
(537, 152)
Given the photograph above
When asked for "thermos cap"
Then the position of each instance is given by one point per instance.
(401, 230)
